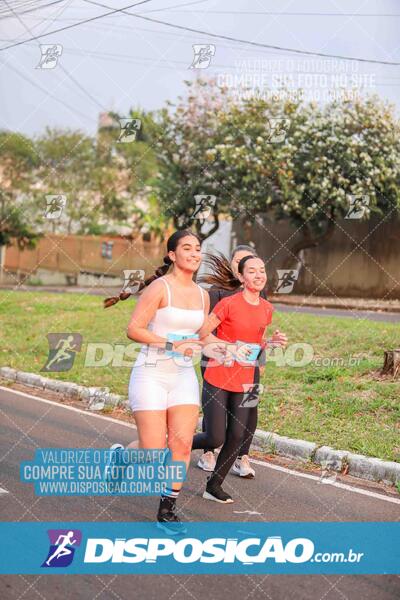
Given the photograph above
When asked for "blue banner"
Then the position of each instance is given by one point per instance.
(102, 472)
(205, 548)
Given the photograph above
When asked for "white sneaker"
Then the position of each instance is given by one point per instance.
(242, 467)
(207, 461)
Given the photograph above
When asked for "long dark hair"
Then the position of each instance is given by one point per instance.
(221, 274)
(172, 244)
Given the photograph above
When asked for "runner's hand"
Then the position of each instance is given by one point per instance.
(242, 352)
(216, 350)
(278, 339)
(188, 347)
(222, 352)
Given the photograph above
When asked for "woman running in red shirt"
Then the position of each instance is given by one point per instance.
(222, 275)
(240, 320)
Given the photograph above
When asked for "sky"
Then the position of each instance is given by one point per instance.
(121, 61)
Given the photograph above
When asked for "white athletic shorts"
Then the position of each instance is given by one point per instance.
(162, 385)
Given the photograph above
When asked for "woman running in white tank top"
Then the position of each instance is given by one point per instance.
(160, 380)
(163, 388)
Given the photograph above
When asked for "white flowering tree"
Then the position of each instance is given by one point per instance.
(310, 165)
(334, 159)
(303, 162)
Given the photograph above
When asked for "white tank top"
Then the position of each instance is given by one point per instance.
(171, 319)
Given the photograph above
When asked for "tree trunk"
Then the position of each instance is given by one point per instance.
(295, 259)
(391, 365)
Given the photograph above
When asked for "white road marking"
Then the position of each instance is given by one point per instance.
(79, 410)
(316, 478)
(3, 491)
(247, 512)
(337, 484)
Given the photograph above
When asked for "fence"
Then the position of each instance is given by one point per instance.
(361, 259)
(73, 255)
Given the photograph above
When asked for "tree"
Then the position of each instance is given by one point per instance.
(188, 167)
(335, 158)
(18, 161)
(325, 158)
(302, 162)
(94, 182)
(67, 168)
(136, 161)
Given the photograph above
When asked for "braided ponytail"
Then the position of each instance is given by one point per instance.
(159, 272)
(124, 295)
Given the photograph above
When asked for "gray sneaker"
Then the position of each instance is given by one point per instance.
(207, 461)
(242, 468)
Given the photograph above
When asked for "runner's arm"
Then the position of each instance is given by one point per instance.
(211, 321)
(145, 309)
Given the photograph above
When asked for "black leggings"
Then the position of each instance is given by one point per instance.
(227, 423)
(251, 426)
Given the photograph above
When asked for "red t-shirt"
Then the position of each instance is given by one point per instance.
(242, 321)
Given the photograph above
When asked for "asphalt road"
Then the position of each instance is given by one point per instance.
(276, 495)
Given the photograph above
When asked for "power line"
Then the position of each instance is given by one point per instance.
(118, 27)
(61, 66)
(277, 14)
(199, 31)
(4, 9)
(31, 10)
(111, 12)
(177, 6)
(257, 44)
(87, 94)
(51, 19)
(26, 78)
(162, 63)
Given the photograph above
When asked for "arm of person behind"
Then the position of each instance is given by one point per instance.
(213, 347)
(208, 339)
(215, 296)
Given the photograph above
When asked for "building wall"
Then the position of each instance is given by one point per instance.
(362, 259)
(65, 258)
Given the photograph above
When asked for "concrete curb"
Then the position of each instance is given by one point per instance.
(96, 398)
(329, 459)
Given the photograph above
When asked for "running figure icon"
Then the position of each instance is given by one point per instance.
(62, 350)
(62, 546)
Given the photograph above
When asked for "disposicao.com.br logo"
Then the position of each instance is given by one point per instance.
(247, 551)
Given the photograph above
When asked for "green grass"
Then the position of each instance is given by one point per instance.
(340, 405)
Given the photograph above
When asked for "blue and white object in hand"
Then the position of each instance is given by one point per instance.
(177, 337)
(250, 358)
